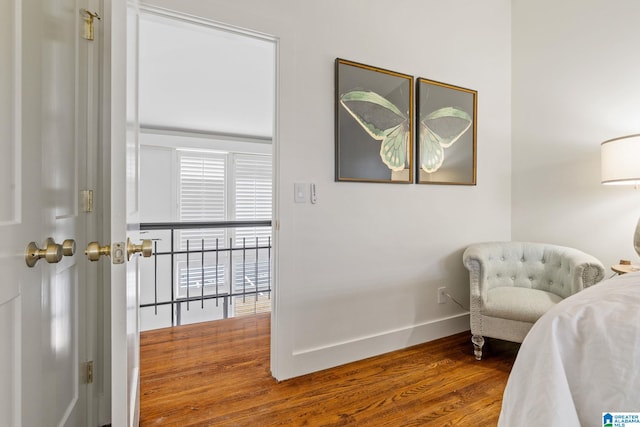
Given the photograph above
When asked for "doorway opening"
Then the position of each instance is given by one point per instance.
(207, 108)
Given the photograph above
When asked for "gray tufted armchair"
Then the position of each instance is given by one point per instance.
(514, 283)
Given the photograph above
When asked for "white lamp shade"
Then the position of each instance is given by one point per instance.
(620, 159)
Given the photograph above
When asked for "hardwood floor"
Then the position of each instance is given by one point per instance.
(217, 374)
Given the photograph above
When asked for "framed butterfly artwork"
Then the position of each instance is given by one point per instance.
(374, 124)
(446, 133)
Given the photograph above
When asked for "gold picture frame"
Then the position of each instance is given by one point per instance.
(374, 124)
(446, 129)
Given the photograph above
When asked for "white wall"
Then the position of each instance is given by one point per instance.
(357, 272)
(157, 204)
(576, 81)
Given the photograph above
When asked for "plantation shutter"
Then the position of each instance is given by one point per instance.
(252, 201)
(253, 191)
(202, 197)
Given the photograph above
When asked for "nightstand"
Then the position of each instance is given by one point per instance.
(625, 268)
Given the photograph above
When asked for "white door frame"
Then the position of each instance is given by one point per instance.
(275, 155)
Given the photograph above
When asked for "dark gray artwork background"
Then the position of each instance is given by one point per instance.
(358, 153)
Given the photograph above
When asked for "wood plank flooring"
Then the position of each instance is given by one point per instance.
(217, 374)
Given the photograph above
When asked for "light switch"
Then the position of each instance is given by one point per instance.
(300, 192)
(313, 196)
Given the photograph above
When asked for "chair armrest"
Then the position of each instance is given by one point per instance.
(474, 259)
(585, 270)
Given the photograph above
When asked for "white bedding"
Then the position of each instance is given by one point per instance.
(580, 359)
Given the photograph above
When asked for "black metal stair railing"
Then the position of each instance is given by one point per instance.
(209, 267)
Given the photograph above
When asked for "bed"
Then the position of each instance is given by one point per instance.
(580, 360)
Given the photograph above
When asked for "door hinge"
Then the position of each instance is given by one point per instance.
(88, 18)
(87, 200)
(88, 372)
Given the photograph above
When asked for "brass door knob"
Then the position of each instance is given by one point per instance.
(94, 251)
(52, 251)
(145, 248)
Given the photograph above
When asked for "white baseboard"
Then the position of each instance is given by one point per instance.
(314, 359)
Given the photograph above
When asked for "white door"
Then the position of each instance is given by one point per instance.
(121, 26)
(43, 132)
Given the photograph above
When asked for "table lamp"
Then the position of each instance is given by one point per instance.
(621, 160)
(620, 165)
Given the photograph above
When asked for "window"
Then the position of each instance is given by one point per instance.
(224, 187)
(252, 197)
(252, 194)
(202, 196)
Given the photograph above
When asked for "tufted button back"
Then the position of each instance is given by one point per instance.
(528, 265)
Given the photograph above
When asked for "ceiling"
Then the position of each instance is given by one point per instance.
(205, 79)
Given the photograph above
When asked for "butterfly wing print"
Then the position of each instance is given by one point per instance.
(440, 129)
(383, 121)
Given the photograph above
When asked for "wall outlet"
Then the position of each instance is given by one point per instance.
(442, 295)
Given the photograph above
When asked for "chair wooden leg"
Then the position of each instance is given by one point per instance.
(478, 342)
